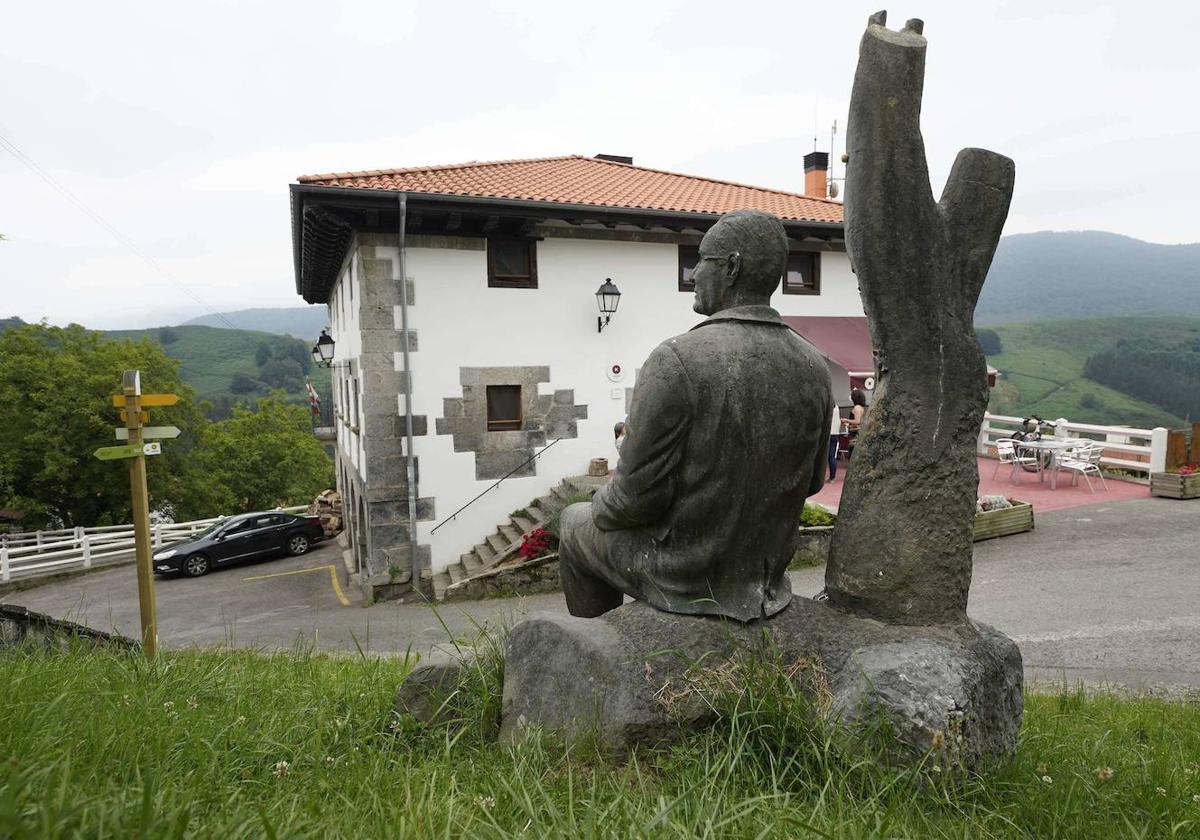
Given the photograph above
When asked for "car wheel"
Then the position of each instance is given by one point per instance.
(196, 565)
(297, 544)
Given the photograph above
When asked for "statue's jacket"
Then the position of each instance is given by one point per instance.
(727, 435)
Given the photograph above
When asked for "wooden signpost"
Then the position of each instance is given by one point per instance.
(133, 402)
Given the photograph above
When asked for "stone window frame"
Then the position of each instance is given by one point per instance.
(511, 424)
(500, 281)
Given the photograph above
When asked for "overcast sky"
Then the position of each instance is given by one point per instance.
(181, 125)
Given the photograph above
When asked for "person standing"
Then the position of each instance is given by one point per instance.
(858, 415)
(835, 434)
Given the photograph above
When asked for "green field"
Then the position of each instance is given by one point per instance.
(243, 745)
(1042, 364)
(210, 358)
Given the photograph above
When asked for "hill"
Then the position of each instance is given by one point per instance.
(226, 366)
(1088, 274)
(303, 322)
(1042, 369)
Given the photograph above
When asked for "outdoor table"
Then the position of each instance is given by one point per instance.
(1053, 446)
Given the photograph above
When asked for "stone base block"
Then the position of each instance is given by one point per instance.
(953, 690)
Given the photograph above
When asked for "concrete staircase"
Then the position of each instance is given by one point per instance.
(503, 543)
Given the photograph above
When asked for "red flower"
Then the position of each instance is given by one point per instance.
(534, 544)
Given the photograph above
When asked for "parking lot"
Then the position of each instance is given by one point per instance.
(1107, 592)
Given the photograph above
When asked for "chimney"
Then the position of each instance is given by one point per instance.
(816, 172)
(616, 158)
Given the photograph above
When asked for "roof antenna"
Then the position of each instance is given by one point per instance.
(816, 118)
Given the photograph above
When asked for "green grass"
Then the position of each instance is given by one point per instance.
(1042, 370)
(104, 745)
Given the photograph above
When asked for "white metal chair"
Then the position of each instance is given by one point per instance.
(1084, 460)
(1006, 453)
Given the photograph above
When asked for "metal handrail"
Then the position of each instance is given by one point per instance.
(532, 458)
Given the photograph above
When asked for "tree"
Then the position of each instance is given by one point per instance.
(167, 336)
(298, 352)
(262, 353)
(285, 373)
(56, 388)
(989, 341)
(260, 459)
(243, 383)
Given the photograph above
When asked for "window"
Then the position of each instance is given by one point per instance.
(504, 408)
(689, 258)
(354, 403)
(801, 277)
(242, 527)
(512, 263)
(803, 274)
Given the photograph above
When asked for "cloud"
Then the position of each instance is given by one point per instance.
(66, 123)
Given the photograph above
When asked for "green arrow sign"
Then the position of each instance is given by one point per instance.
(112, 453)
(149, 432)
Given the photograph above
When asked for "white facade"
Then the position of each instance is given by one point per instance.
(347, 388)
(460, 322)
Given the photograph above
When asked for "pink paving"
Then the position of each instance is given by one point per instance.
(1029, 490)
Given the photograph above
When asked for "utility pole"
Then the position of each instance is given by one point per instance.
(131, 386)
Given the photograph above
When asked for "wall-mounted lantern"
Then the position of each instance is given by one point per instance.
(322, 351)
(607, 298)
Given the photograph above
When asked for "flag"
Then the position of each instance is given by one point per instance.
(314, 401)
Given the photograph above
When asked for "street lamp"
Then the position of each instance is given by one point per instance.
(607, 298)
(322, 351)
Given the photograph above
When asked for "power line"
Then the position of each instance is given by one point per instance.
(33, 166)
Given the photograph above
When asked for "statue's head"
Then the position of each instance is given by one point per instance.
(742, 258)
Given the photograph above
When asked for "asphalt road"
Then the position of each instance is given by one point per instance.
(1104, 593)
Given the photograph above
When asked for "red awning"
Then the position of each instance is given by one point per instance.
(844, 341)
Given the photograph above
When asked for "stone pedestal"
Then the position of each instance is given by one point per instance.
(628, 676)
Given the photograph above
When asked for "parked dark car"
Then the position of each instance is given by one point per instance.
(241, 537)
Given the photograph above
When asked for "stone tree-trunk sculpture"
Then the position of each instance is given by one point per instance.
(902, 549)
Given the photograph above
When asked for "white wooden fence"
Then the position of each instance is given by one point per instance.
(1132, 450)
(33, 553)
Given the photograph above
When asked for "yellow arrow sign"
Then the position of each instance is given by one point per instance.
(148, 400)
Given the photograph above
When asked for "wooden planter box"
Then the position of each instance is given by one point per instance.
(1175, 486)
(1001, 523)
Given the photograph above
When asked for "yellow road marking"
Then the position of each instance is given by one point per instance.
(337, 587)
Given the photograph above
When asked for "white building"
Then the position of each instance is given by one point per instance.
(495, 353)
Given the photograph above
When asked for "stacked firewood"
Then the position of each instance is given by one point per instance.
(328, 506)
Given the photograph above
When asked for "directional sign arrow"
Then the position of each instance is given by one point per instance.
(112, 453)
(150, 432)
(148, 400)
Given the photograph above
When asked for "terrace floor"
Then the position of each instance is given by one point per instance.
(1030, 489)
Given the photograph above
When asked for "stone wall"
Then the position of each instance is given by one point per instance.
(528, 578)
(544, 417)
(19, 627)
(386, 558)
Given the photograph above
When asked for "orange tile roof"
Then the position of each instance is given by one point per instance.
(583, 180)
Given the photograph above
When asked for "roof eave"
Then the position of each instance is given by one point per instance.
(369, 196)
(535, 204)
